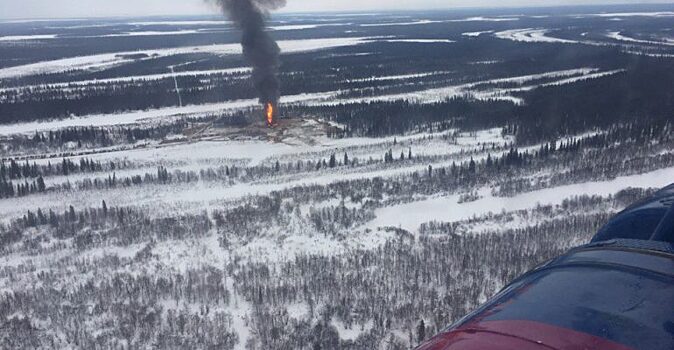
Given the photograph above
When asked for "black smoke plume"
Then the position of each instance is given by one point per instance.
(259, 49)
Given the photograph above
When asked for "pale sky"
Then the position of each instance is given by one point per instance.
(101, 8)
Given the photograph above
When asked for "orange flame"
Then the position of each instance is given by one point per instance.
(270, 114)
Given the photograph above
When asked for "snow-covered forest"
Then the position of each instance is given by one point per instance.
(421, 161)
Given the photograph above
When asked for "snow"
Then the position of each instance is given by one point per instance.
(649, 54)
(189, 254)
(584, 77)
(426, 21)
(239, 308)
(40, 20)
(386, 24)
(149, 33)
(305, 26)
(297, 310)
(126, 252)
(425, 41)
(620, 37)
(114, 35)
(635, 14)
(410, 216)
(531, 35)
(15, 260)
(354, 331)
(396, 77)
(554, 74)
(294, 27)
(355, 54)
(177, 23)
(485, 19)
(270, 249)
(27, 37)
(486, 62)
(475, 34)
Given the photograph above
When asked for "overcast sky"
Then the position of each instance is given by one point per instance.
(101, 8)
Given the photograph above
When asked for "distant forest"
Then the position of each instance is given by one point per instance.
(643, 92)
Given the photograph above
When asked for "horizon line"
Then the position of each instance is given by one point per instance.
(360, 11)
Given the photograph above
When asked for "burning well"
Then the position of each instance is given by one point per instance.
(269, 111)
(259, 49)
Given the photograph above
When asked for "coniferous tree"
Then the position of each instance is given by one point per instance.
(41, 187)
(333, 161)
(421, 331)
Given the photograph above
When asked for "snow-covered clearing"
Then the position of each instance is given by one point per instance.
(240, 309)
(396, 77)
(485, 62)
(190, 254)
(177, 23)
(531, 35)
(285, 246)
(42, 20)
(485, 19)
(353, 332)
(620, 37)
(149, 33)
(410, 23)
(476, 34)
(410, 216)
(634, 14)
(294, 27)
(27, 37)
(427, 21)
(305, 26)
(112, 35)
(583, 77)
(426, 41)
